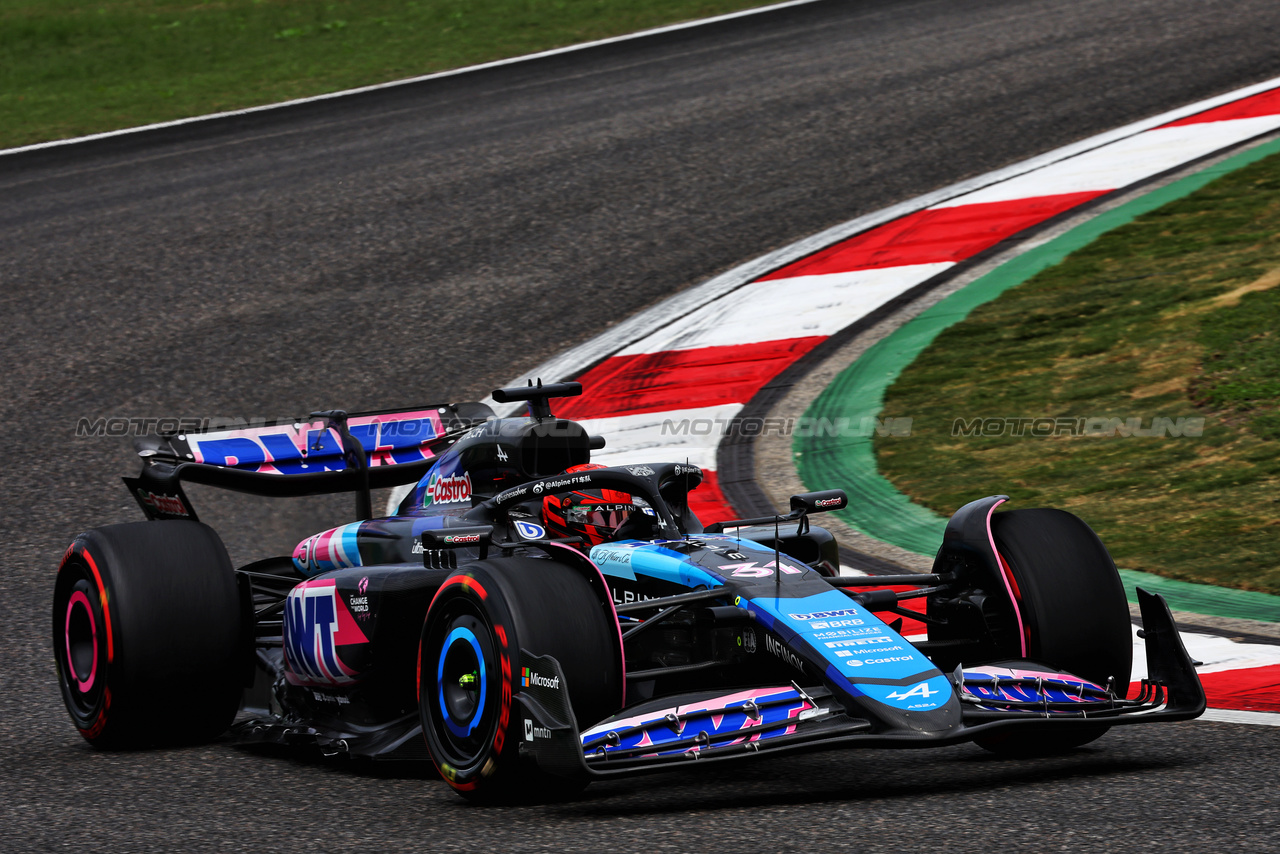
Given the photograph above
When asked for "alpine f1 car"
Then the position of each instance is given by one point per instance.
(530, 621)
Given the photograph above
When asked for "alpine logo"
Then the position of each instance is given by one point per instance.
(169, 505)
(921, 690)
(532, 678)
(446, 490)
(502, 455)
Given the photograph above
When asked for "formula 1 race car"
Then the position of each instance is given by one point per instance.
(530, 621)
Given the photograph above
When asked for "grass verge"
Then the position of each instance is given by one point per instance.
(72, 67)
(1174, 315)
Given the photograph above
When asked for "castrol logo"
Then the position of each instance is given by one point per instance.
(444, 490)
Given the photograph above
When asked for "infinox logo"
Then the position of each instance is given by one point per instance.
(461, 539)
(776, 647)
(170, 505)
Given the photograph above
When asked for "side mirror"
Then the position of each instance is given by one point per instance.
(441, 539)
(819, 502)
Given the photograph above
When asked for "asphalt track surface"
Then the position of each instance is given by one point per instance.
(429, 242)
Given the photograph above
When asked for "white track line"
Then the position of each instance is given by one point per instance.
(1216, 654)
(1231, 716)
(671, 28)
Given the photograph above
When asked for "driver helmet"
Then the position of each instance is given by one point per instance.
(596, 515)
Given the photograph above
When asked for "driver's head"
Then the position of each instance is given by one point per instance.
(596, 515)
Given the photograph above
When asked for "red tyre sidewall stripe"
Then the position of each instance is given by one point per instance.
(504, 666)
(99, 723)
(504, 705)
(102, 598)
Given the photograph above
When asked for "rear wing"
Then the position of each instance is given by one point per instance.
(324, 453)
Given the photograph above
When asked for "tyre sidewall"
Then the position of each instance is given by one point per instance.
(171, 653)
(472, 591)
(1072, 600)
(534, 604)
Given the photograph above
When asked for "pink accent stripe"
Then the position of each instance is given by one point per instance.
(682, 379)
(622, 655)
(1263, 104)
(705, 706)
(1017, 613)
(934, 236)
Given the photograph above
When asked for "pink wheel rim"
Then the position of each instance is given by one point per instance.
(78, 598)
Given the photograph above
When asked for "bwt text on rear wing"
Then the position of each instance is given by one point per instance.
(326, 452)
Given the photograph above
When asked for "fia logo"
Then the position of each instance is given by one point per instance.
(922, 690)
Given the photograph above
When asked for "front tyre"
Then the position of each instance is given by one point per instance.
(1074, 616)
(469, 670)
(147, 634)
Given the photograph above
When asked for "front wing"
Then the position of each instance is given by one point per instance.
(779, 719)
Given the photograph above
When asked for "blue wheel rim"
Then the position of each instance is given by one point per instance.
(462, 729)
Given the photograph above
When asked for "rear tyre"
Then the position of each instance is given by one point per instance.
(147, 634)
(469, 671)
(1074, 613)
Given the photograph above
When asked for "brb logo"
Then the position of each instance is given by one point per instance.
(316, 623)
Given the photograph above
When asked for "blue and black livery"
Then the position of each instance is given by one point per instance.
(463, 631)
